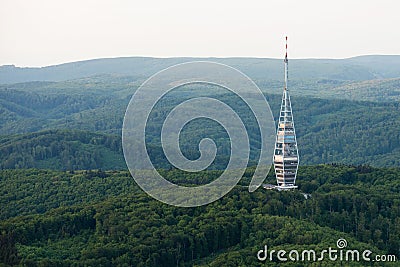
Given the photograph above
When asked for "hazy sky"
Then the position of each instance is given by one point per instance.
(48, 32)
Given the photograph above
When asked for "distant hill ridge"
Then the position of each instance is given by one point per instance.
(353, 69)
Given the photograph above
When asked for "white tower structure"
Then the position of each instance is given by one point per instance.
(286, 158)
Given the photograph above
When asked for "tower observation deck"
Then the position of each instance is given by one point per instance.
(286, 158)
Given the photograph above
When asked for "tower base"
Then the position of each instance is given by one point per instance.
(286, 187)
(279, 187)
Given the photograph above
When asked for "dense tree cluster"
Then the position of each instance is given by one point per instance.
(62, 150)
(102, 218)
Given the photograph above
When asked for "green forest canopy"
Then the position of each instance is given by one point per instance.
(103, 218)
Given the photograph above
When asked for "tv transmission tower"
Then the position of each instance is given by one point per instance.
(286, 157)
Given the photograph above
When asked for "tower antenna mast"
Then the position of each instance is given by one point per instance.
(286, 67)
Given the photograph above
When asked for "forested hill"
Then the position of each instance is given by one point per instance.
(339, 131)
(86, 218)
(346, 111)
(62, 150)
(354, 69)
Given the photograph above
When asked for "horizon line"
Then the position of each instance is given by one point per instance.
(180, 57)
